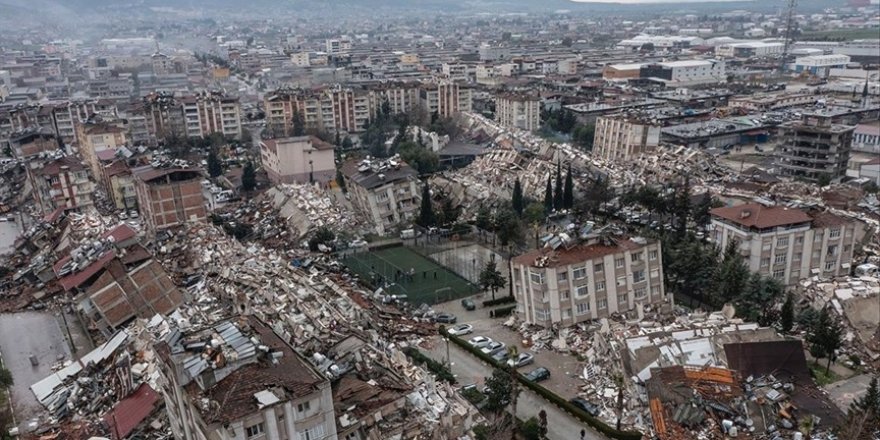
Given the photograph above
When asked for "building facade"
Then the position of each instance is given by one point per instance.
(239, 380)
(866, 138)
(169, 197)
(814, 148)
(519, 111)
(301, 159)
(97, 135)
(588, 280)
(445, 98)
(618, 137)
(686, 72)
(209, 113)
(61, 183)
(386, 191)
(786, 243)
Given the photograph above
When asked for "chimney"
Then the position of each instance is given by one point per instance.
(745, 213)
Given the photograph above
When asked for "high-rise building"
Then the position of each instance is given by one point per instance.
(518, 110)
(300, 159)
(386, 191)
(61, 183)
(169, 197)
(567, 282)
(621, 137)
(814, 148)
(211, 112)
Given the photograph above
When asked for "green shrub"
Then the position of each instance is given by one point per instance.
(499, 301)
(501, 312)
(550, 396)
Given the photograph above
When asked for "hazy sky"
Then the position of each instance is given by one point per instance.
(630, 2)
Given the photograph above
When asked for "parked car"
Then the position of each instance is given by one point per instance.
(588, 407)
(445, 318)
(538, 374)
(521, 360)
(501, 355)
(460, 330)
(468, 304)
(493, 347)
(479, 341)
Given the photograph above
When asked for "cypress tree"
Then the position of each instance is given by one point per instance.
(426, 213)
(557, 194)
(517, 199)
(568, 191)
(548, 197)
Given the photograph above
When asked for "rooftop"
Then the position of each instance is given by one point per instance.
(754, 215)
(546, 257)
(373, 173)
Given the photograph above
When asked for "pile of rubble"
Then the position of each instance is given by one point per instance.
(307, 207)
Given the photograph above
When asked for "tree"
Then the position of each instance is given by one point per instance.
(346, 143)
(531, 429)
(533, 214)
(322, 236)
(787, 318)
(732, 273)
(568, 190)
(507, 226)
(422, 159)
(484, 218)
(214, 167)
(299, 123)
(500, 387)
(426, 211)
(248, 177)
(448, 212)
(825, 338)
(755, 302)
(701, 210)
(517, 199)
(6, 379)
(340, 180)
(863, 415)
(597, 194)
(566, 41)
(557, 194)
(682, 207)
(582, 136)
(548, 197)
(491, 278)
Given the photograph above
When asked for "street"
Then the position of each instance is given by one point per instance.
(468, 369)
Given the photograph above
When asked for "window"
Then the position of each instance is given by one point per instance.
(780, 259)
(622, 298)
(782, 242)
(537, 277)
(655, 273)
(765, 246)
(652, 256)
(583, 308)
(579, 273)
(779, 273)
(799, 240)
(638, 276)
(765, 262)
(618, 263)
(829, 265)
(796, 257)
(566, 313)
(796, 274)
(641, 292)
(599, 267)
(254, 430)
(581, 291)
(564, 294)
(832, 250)
(600, 286)
(602, 304)
(818, 238)
(621, 281)
(314, 433)
(562, 276)
(542, 314)
(835, 233)
(303, 407)
(635, 257)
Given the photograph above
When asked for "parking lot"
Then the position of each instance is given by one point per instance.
(565, 370)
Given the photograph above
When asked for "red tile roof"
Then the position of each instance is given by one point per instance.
(577, 254)
(120, 233)
(755, 215)
(76, 279)
(131, 412)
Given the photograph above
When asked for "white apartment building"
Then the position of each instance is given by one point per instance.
(208, 113)
(456, 72)
(301, 159)
(786, 243)
(386, 191)
(240, 381)
(866, 138)
(518, 110)
(618, 137)
(446, 98)
(335, 46)
(589, 280)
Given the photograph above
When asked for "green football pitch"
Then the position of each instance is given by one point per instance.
(401, 271)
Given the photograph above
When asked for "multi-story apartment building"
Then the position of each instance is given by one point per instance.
(33, 142)
(240, 380)
(97, 135)
(565, 282)
(211, 112)
(445, 98)
(787, 243)
(300, 159)
(61, 183)
(386, 191)
(518, 110)
(335, 46)
(814, 148)
(330, 109)
(119, 183)
(169, 197)
(620, 137)
(402, 97)
(163, 117)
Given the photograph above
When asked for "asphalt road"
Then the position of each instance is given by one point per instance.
(22, 335)
(468, 369)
